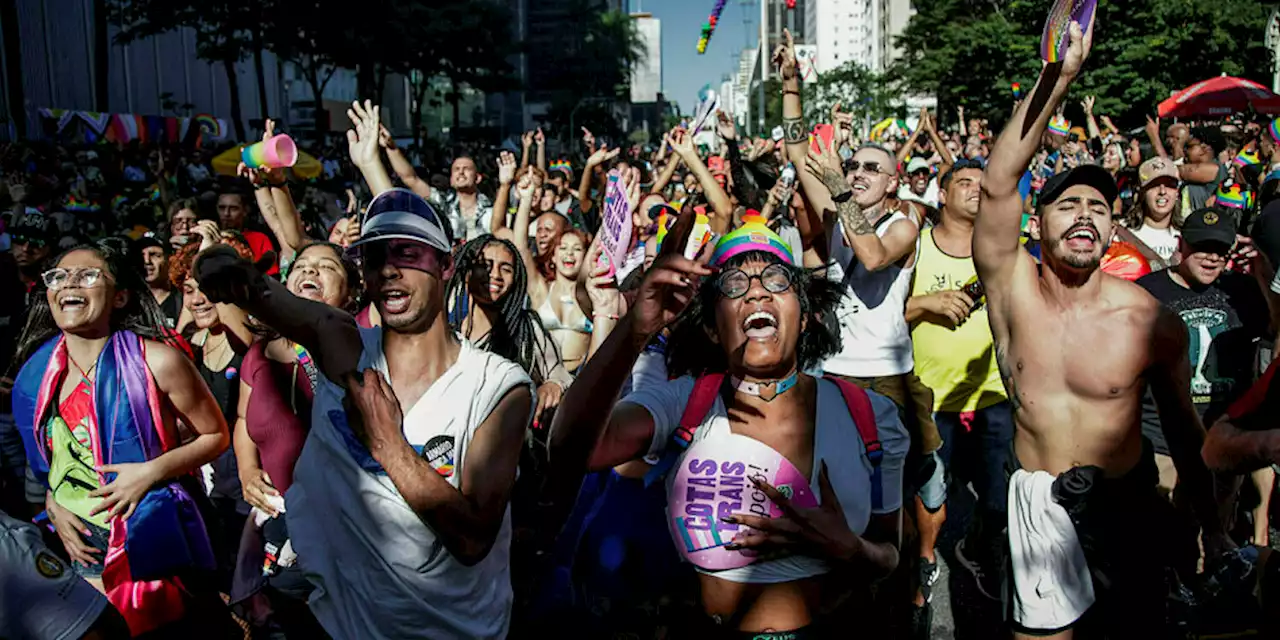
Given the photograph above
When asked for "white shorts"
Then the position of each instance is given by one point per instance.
(1052, 586)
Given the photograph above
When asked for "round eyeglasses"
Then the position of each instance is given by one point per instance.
(59, 278)
(735, 283)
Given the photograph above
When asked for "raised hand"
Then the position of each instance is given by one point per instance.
(1153, 128)
(526, 139)
(362, 139)
(724, 124)
(784, 57)
(1077, 51)
(539, 137)
(384, 138)
(1088, 103)
(588, 139)
(682, 143)
(825, 166)
(226, 277)
(602, 156)
(601, 286)
(671, 283)
(260, 176)
(506, 168)
(529, 182)
(209, 233)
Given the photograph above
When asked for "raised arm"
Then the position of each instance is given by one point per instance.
(1153, 135)
(362, 143)
(401, 165)
(330, 334)
(526, 141)
(597, 159)
(939, 145)
(682, 142)
(467, 519)
(668, 170)
(501, 201)
(525, 188)
(910, 145)
(996, 245)
(541, 139)
(1092, 122)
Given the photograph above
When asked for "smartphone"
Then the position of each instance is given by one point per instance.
(824, 132)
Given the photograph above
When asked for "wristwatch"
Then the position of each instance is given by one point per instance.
(843, 197)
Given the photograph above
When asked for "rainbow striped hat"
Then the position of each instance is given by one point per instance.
(753, 235)
(1275, 130)
(1233, 196)
(1059, 125)
(1246, 158)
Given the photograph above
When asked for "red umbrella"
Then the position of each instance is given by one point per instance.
(1221, 96)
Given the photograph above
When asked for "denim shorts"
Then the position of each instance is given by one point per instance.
(98, 539)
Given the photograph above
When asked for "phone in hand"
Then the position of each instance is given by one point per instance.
(824, 132)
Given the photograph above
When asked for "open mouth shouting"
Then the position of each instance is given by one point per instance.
(311, 288)
(72, 303)
(1081, 237)
(395, 301)
(760, 325)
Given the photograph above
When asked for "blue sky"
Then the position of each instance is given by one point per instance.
(684, 72)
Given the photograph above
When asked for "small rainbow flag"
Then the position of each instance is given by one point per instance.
(1246, 158)
(80, 205)
(1234, 197)
(1059, 125)
(209, 125)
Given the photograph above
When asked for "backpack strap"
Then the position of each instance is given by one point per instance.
(705, 390)
(864, 418)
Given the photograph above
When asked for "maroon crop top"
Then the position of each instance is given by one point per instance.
(277, 427)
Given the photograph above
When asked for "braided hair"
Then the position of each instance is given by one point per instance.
(518, 335)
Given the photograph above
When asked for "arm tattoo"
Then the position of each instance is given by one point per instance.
(834, 181)
(1006, 375)
(793, 130)
(852, 219)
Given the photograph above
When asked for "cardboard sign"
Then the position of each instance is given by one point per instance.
(615, 225)
(713, 481)
(1057, 26)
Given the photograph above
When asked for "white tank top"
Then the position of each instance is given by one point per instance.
(875, 340)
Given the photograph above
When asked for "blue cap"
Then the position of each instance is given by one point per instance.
(400, 214)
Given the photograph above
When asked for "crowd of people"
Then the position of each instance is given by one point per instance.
(249, 407)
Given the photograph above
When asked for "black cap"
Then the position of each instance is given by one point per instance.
(36, 225)
(1087, 174)
(149, 240)
(1209, 225)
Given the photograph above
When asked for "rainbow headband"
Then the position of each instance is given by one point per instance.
(1233, 197)
(562, 165)
(1275, 130)
(1059, 125)
(753, 235)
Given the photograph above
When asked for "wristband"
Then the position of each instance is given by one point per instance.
(611, 316)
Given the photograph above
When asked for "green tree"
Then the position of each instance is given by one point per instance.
(860, 91)
(969, 52)
(593, 66)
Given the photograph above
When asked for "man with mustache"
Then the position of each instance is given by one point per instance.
(1075, 349)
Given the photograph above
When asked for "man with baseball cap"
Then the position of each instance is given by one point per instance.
(399, 507)
(919, 184)
(1074, 348)
(1157, 202)
(1225, 313)
(154, 256)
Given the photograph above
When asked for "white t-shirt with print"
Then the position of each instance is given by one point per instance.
(1162, 241)
(836, 441)
(378, 569)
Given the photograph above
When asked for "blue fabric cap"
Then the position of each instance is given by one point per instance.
(400, 214)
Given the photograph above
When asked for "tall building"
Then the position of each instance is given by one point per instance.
(646, 76)
(860, 30)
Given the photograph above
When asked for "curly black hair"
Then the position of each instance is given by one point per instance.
(519, 336)
(689, 352)
(140, 314)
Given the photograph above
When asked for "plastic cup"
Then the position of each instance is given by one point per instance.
(276, 152)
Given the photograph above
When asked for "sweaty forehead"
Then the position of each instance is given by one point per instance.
(464, 163)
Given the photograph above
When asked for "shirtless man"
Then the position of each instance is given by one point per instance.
(1075, 348)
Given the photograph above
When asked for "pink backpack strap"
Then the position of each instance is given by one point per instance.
(703, 397)
(864, 418)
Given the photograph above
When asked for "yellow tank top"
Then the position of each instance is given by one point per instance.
(958, 364)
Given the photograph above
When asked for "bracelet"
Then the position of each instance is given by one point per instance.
(788, 92)
(611, 316)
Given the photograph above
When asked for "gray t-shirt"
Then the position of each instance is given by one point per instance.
(40, 596)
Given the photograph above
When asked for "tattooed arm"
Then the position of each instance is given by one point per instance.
(875, 252)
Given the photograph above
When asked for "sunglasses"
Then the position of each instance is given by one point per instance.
(59, 278)
(735, 283)
(37, 243)
(871, 167)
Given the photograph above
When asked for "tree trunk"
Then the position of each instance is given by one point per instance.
(415, 112)
(264, 108)
(321, 116)
(233, 87)
(101, 58)
(382, 82)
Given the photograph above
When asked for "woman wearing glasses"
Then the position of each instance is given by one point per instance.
(97, 402)
(739, 417)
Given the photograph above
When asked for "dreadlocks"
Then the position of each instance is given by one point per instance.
(518, 334)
